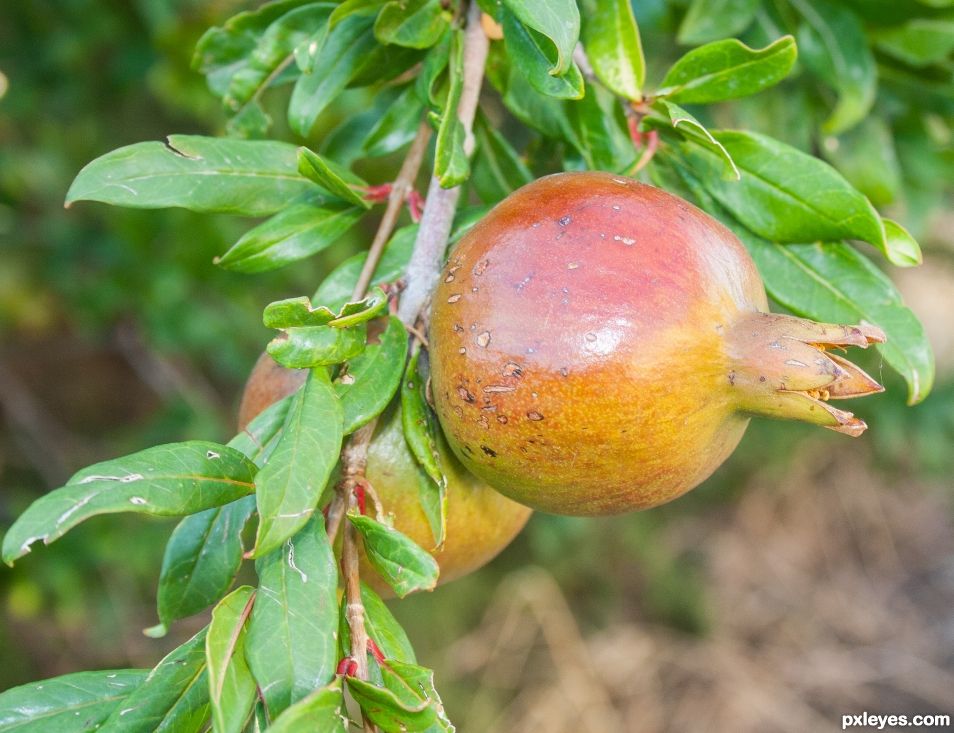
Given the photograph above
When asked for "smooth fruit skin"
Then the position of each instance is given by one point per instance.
(480, 521)
(578, 346)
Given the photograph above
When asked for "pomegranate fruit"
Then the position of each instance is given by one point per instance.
(598, 345)
(480, 521)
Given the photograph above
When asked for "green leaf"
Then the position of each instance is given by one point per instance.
(600, 132)
(291, 644)
(727, 70)
(498, 170)
(73, 703)
(335, 179)
(556, 20)
(259, 437)
(420, 434)
(340, 58)
(401, 563)
(397, 127)
(299, 312)
(201, 559)
(355, 7)
(299, 231)
(291, 483)
(167, 480)
(174, 698)
(406, 701)
(835, 283)
(786, 195)
(919, 42)
(335, 290)
(865, 155)
(411, 23)
(694, 131)
(314, 346)
(319, 711)
(427, 86)
(384, 628)
(232, 688)
(536, 110)
(613, 46)
(372, 378)
(248, 177)
(833, 45)
(711, 20)
(450, 158)
(531, 55)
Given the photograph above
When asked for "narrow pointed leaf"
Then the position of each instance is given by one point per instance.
(232, 690)
(498, 169)
(405, 566)
(337, 180)
(411, 23)
(406, 700)
(248, 177)
(613, 46)
(299, 312)
(711, 20)
(384, 628)
(556, 20)
(167, 480)
(372, 377)
(450, 159)
(289, 486)
(319, 711)
(73, 703)
(727, 70)
(299, 231)
(291, 645)
(397, 127)
(174, 698)
(695, 131)
(531, 56)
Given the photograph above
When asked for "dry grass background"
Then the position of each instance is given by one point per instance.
(832, 594)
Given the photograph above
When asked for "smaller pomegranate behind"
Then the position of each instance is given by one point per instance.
(598, 345)
(480, 522)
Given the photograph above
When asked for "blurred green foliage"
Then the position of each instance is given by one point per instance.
(79, 79)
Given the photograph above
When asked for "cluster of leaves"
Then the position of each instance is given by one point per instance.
(574, 84)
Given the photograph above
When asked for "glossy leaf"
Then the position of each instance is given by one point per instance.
(73, 703)
(296, 312)
(727, 70)
(313, 346)
(695, 131)
(291, 646)
(340, 58)
(531, 55)
(167, 480)
(786, 195)
(232, 690)
(248, 177)
(290, 484)
(321, 711)
(558, 21)
(355, 7)
(420, 433)
(833, 45)
(299, 231)
(384, 628)
(372, 377)
(201, 559)
(336, 179)
(406, 700)
(451, 166)
(402, 564)
(411, 23)
(396, 127)
(834, 283)
(259, 437)
(498, 169)
(712, 20)
(536, 110)
(174, 698)
(865, 155)
(613, 46)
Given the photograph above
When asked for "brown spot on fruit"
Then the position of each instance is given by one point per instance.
(502, 419)
(534, 415)
(480, 267)
(454, 298)
(465, 395)
(512, 369)
(495, 388)
(565, 220)
(489, 451)
(483, 339)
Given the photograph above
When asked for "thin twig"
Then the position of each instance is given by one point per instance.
(441, 203)
(402, 186)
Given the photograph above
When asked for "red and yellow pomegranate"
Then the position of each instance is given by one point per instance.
(480, 521)
(598, 346)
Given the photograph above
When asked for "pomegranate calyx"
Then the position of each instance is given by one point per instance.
(781, 367)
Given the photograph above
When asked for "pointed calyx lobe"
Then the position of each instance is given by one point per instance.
(784, 367)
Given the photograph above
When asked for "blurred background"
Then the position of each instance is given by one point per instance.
(812, 576)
